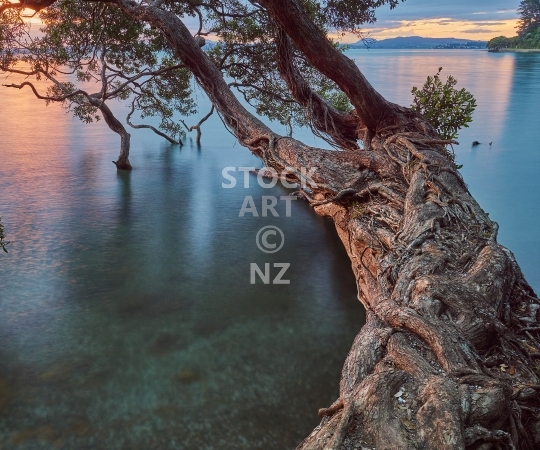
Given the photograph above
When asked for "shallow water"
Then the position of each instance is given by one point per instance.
(127, 317)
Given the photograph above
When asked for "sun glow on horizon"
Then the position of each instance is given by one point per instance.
(474, 30)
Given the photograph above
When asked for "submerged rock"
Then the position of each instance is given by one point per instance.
(188, 377)
(168, 342)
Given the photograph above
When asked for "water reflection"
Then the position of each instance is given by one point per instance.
(502, 177)
(124, 197)
(488, 76)
(126, 316)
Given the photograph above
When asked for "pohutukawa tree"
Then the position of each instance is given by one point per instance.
(80, 46)
(449, 355)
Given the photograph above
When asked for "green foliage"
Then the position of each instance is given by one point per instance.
(529, 12)
(97, 49)
(11, 29)
(500, 42)
(247, 55)
(445, 107)
(528, 39)
(83, 35)
(74, 37)
(165, 96)
(3, 242)
(349, 15)
(528, 29)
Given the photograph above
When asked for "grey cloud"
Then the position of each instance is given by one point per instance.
(488, 24)
(476, 31)
(454, 9)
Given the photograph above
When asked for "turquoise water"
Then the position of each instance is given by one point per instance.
(502, 177)
(127, 317)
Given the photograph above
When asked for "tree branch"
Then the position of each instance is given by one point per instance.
(150, 127)
(198, 126)
(370, 106)
(340, 127)
(141, 75)
(51, 99)
(208, 76)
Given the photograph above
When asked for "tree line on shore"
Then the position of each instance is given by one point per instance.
(528, 35)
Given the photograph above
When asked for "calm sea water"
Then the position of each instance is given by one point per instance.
(503, 177)
(127, 317)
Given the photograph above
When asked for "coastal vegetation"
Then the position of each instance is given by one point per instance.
(447, 108)
(528, 35)
(448, 356)
(87, 66)
(418, 42)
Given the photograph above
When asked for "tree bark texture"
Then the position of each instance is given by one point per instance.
(448, 356)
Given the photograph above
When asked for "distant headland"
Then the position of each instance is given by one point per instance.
(417, 42)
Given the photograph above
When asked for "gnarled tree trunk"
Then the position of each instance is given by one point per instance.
(114, 124)
(449, 356)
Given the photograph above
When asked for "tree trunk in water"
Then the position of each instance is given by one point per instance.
(449, 356)
(122, 163)
(197, 127)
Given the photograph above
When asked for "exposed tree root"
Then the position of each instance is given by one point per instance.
(453, 310)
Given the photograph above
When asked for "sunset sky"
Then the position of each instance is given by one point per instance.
(464, 19)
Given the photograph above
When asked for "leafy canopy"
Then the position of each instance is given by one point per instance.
(246, 53)
(529, 12)
(96, 49)
(84, 36)
(499, 42)
(528, 36)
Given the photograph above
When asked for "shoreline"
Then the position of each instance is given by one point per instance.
(518, 50)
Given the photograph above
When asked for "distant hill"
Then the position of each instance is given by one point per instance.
(422, 42)
(209, 45)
